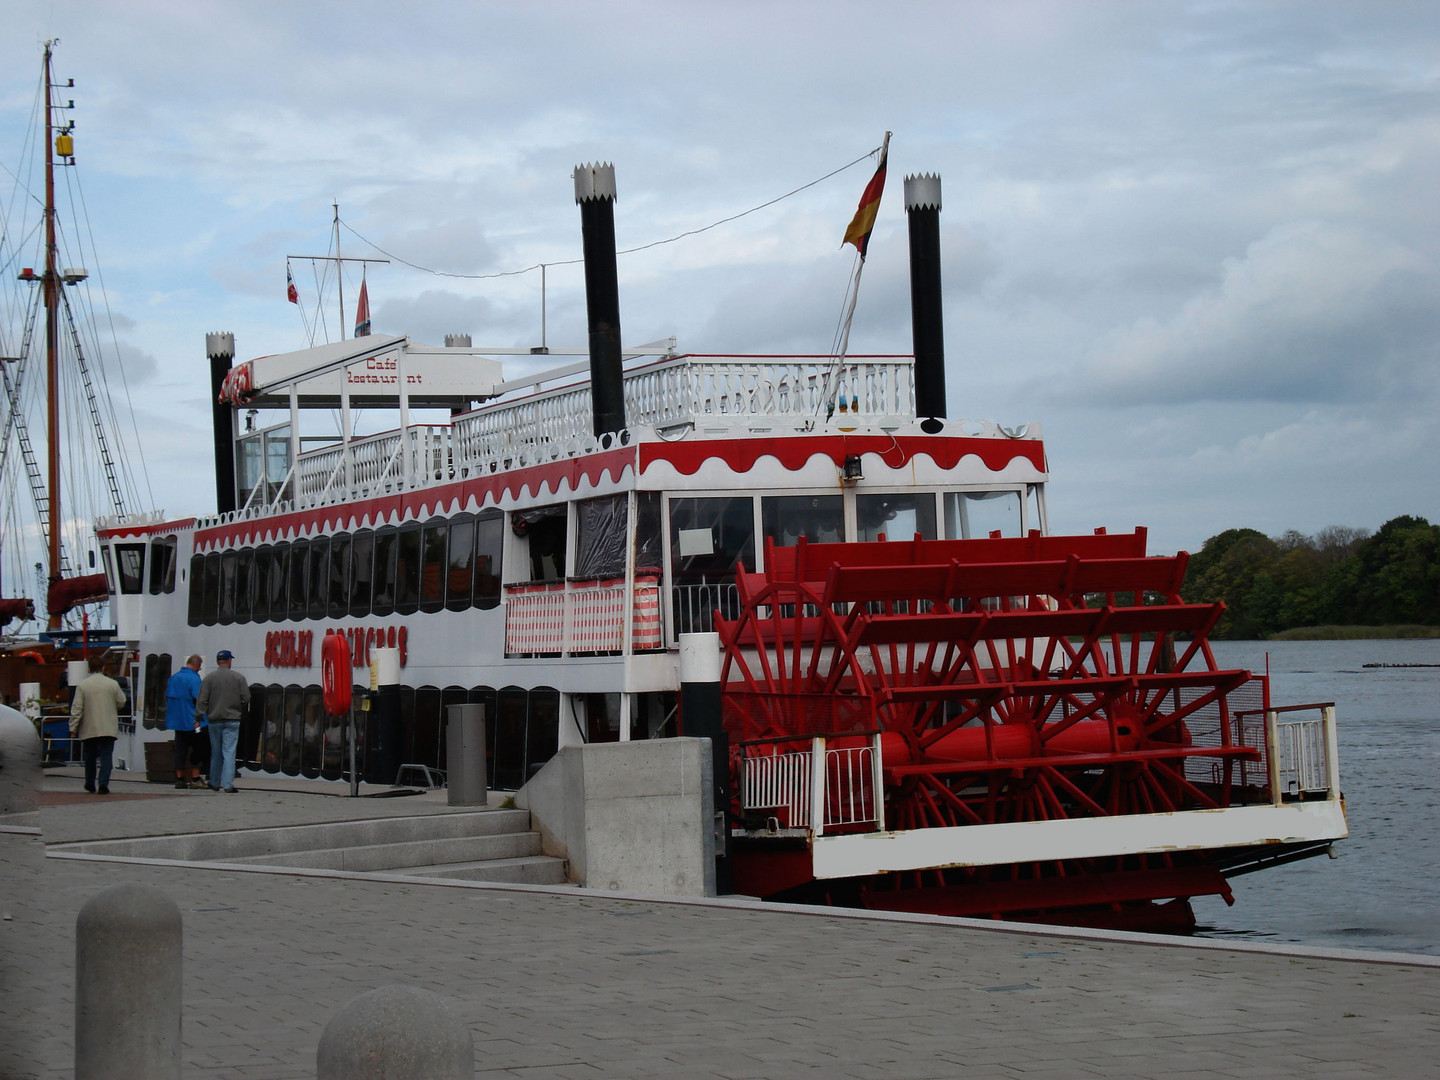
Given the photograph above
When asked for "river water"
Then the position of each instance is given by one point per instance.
(1383, 889)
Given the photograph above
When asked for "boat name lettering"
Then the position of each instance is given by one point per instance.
(295, 648)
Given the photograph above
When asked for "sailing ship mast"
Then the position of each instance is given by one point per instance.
(50, 283)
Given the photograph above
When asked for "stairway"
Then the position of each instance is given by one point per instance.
(484, 845)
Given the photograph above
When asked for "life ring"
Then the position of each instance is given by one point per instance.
(335, 680)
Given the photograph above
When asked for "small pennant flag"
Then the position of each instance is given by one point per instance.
(362, 312)
(290, 291)
(859, 231)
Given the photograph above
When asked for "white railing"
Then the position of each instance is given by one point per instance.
(391, 461)
(554, 618)
(814, 789)
(1302, 753)
(696, 605)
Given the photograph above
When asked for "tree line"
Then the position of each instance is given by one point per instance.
(1338, 577)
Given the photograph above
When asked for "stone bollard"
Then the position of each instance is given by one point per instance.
(396, 1033)
(128, 985)
(20, 771)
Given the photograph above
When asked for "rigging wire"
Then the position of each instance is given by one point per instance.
(624, 251)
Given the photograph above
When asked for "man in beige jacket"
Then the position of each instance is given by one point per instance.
(95, 721)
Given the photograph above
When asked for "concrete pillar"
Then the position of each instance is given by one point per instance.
(465, 755)
(20, 772)
(128, 960)
(700, 717)
(396, 1033)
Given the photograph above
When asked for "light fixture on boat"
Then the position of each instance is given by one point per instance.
(851, 472)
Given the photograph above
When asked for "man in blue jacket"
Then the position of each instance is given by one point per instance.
(181, 693)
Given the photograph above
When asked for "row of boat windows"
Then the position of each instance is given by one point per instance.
(445, 563)
(287, 730)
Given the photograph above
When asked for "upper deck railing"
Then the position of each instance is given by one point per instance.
(710, 393)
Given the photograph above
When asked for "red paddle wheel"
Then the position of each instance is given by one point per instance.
(1022, 682)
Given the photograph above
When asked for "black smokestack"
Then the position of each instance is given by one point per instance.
(595, 192)
(221, 350)
(922, 208)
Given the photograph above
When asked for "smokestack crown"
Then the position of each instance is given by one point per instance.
(594, 182)
(922, 192)
(220, 346)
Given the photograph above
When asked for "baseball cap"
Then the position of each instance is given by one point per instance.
(225, 654)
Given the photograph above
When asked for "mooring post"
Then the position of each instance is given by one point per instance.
(396, 1033)
(128, 941)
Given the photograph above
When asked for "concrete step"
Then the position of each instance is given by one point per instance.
(405, 854)
(527, 870)
(246, 844)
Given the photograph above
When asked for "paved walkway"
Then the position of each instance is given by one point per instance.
(570, 983)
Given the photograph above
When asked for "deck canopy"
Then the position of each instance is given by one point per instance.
(371, 371)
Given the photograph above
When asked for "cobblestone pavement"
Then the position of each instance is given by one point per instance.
(569, 983)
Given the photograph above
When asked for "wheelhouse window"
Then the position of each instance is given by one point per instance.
(196, 608)
(226, 609)
(978, 514)
(130, 561)
(601, 533)
(244, 565)
(260, 584)
(818, 518)
(895, 516)
(212, 588)
(543, 529)
(710, 541)
(162, 565)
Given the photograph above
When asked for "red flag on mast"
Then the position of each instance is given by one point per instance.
(362, 312)
(291, 293)
(864, 220)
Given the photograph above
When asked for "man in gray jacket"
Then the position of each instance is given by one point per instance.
(224, 696)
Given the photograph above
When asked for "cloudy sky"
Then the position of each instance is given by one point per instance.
(1198, 242)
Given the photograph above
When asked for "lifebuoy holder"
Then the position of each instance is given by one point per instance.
(335, 683)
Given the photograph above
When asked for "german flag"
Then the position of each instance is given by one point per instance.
(859, 231)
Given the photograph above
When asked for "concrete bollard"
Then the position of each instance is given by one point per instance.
(396, 1033)
(128, 941)
(20, 771)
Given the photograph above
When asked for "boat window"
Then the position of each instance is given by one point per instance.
(244, 565)
(299, 577)
(1034, 519)
(509, 755)
(649, 545)
(602, 716)
(130, 559)
(247, 746)
(425, 726)
(333, 760)
(407, 570)
(109, 564)
(157, 675)
(460, 563)
(601, 531)
(542, 729)
(895, 516)
(280, 581)
(489, 540)
(162, 565)
(314, 728)
(383, 601)
(484, 696)
(292, 731)
(710, 540)
(318, 578)
(339, 576)
(818, 518)
(543, 529)
(271, 729)
(212, 588)
(652, 716)
(433, 564)
(197, 588)
(362, 572)
(260, 585)
(248, 467)
(978, 514)
(226, 612)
